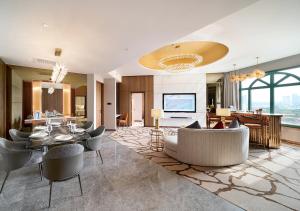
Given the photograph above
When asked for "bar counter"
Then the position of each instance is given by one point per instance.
(265, 128)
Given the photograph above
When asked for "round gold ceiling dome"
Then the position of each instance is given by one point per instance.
(184, 56)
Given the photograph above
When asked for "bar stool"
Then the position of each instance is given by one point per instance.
(257, 128)
(211, 118)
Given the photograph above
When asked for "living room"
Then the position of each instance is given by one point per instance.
(150, 105)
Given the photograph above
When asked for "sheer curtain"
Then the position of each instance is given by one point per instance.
(231, 92)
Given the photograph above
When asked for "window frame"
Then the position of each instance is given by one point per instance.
(272, 87)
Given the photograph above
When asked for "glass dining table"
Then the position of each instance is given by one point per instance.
(40, 139)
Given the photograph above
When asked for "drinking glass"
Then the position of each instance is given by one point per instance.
(73, 128)
(49, 129)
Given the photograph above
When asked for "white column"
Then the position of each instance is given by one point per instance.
(110, 104)
(91, 98)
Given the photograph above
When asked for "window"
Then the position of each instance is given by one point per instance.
(277, 92)
(260, 98)
(244, 99)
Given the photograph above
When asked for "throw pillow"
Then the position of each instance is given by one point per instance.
(219, 125)
(234, 124)
(194, 125)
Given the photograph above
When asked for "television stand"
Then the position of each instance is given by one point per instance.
(179, 117)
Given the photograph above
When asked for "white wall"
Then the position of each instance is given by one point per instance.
(179, 83)
(91, 96)
(110, 104)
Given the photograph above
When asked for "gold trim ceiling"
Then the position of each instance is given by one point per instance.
(209, 52)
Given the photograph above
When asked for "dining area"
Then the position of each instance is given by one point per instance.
(55, 148)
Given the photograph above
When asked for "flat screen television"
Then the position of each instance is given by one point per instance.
(179, 102)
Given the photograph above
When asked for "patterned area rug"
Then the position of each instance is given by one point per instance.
(269, 180)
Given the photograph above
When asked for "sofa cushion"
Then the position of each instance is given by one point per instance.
(171, 142)
(194, 125)
(219, 125)
(234, 124)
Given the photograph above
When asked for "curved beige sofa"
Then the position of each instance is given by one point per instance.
(209, 147)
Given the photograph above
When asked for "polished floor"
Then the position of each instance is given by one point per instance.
(268, 180)
(126, 181)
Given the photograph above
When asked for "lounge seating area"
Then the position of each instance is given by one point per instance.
(150, 105)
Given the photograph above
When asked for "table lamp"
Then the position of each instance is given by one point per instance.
(223, 112)
(156, 113)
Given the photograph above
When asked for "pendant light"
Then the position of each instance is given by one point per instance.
(257, 73)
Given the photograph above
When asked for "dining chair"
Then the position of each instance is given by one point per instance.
(211, 118)
(63, 163)
(94, 142)
(88, 126)
(17, 135)
(123, 121)
(15, 156)
(24, 141)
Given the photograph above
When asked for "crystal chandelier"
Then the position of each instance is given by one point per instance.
(51, 90)
(180, 62)
(59, 73)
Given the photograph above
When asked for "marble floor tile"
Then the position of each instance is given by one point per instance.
(126, 181)
(268, 180)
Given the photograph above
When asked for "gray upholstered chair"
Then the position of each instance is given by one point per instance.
(94, 142)
(88, 126)
(23, 138)
(17, 135)
(62, 163)
(15, 156)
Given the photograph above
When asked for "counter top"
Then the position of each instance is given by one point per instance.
(264, 114)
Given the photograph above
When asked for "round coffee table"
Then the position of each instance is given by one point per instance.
(156, 141)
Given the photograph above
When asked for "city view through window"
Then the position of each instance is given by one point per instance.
(278, 92)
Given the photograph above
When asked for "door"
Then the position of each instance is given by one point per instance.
(137, 109)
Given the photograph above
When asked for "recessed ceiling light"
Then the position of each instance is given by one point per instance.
(45, 25)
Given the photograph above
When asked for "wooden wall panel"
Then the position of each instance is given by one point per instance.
(5, 99)
(27, 99)
(2, 99)
(98, 104)
(102, 103)
(81, 91)
(8, 105)
(73, 102)
(131, 84)
(53, 101)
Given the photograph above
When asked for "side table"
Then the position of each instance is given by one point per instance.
(156, 142)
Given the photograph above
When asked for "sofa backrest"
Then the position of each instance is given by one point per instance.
(207, 144)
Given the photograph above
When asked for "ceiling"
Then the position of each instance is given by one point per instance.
(99, 36)
(269, 29)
